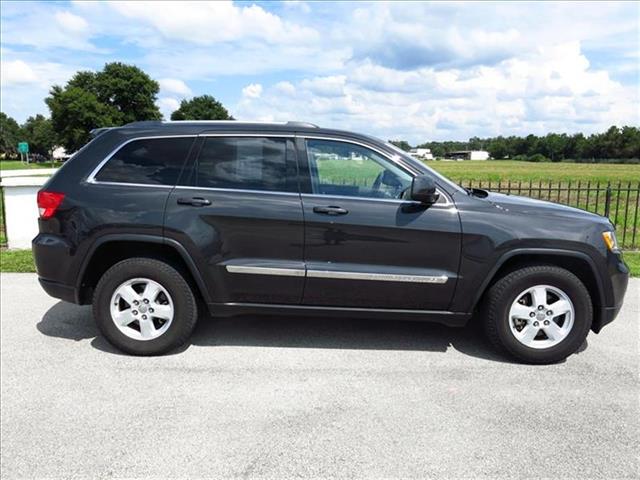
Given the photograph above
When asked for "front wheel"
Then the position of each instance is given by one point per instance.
(539, 314)
(144, 307)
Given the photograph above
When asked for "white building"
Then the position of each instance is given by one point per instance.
(469, 155)
(421, 153)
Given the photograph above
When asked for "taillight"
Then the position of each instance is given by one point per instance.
(48, 203)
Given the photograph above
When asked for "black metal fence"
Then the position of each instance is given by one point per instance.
(617, 200)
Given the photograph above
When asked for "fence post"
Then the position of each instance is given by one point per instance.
(607, 202)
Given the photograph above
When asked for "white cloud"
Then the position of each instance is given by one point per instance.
(552, 89)
(253, 90)
(17, 72)
(71, 22)
(168, 105)
(174, 85)
(206, 23)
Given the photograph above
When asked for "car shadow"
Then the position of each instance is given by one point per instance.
(73, 322)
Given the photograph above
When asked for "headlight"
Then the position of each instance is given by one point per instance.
(610, 241)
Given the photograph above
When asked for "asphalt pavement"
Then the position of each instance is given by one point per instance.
(314, 398)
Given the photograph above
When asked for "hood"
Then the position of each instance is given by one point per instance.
(531, 206)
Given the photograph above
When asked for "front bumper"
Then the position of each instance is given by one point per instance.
(619, 278)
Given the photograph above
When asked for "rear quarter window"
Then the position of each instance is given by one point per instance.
(151, 161)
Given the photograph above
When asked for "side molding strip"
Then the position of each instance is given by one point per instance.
(287, 272)
(379, 277)
(297, 272)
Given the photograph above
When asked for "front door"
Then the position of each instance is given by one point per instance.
(238, 211)
(365, 246)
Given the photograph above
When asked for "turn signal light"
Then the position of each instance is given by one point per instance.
(48, 203)
(610, 241)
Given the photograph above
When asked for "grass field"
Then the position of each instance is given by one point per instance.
(18, 165)
(505, 170)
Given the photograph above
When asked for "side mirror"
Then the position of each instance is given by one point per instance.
(423, 189)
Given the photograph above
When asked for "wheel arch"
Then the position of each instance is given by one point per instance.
(110, 249)
(578, 263)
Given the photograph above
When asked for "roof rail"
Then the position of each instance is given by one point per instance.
(302, 124)
(98, 131)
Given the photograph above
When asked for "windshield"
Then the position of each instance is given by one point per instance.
(424, 168)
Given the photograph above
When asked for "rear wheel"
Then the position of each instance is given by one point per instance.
(144, 307)
(539, 314)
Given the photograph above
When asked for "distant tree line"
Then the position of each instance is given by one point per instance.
(116, 95)
(621, 144)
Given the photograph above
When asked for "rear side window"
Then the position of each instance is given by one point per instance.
(151, 161)
(247, 163)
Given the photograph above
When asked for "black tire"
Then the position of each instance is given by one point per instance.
(503, 293)
(184, 302)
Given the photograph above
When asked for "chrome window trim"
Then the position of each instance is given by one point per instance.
(400, 164)
(92, 176)
(379, 277)
(397, 201)
(286, 272)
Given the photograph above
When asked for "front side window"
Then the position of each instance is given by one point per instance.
(150, 161)
(247, 163)
(346, 169)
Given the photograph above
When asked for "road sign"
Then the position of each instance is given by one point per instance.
(23, 147)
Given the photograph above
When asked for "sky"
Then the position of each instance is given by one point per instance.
(398, 70)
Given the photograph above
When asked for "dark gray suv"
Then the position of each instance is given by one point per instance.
(155, 221)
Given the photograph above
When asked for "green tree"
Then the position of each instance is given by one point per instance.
(401, 144)
(114, 96)
(204, 107)
(38, 131)
(10, 135)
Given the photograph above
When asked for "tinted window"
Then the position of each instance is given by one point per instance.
(346, 169)
(150, 161)
(248, 163)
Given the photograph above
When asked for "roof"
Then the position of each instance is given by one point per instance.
(196, 127)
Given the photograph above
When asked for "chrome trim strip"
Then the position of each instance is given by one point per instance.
(91, 178)
(231, 134)
(287, 272)
(379, 277)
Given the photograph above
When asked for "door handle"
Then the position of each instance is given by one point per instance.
(194, 201)
(331, 210)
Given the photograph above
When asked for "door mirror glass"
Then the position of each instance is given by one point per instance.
(423, 189)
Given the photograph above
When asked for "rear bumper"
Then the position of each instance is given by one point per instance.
(52, 256)
(67, 293)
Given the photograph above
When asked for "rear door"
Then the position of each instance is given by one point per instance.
(364, 245)
(238, 211)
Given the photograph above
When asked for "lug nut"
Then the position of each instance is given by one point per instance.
(540, 307)
(144, 317)
(136, 302)
(151, 310)
(532, 314)
(546, 322)
(146, 301)
(135, 312)
(549, 312)
(535, 324)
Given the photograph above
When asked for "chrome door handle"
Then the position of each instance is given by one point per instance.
(331, 210)
(194, 201)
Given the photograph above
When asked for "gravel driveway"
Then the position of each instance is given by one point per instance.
(280, 398)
